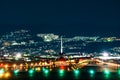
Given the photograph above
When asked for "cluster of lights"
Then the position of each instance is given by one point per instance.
(4, 74)
(38, 69)
(46, 71)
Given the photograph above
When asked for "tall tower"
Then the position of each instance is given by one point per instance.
(61, 55)
(61, 49)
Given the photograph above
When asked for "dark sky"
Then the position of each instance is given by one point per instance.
(79, 17)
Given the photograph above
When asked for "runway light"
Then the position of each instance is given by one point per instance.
(1, 71)
(50, 69)
(38, 69)
(14, 65)
(31, 71)
(16, 71)
(7, 74)
(6, 66)
(1, 75)
(106, 71)
(62, 67)
(21, 65)
(118, 71)
(46, 71)
(76, 71)
(61, 71)
(68, 69)
(43, 69)
(31, 64)
(91, 71)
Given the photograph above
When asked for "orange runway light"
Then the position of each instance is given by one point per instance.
(7, 75)
(6, 66)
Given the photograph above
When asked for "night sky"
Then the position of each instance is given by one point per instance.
(71, 17)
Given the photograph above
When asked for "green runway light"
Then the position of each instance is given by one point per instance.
(16, 71)
(106, 72)
(91, 71)
(1, 71)
(118, 71)
(31, 71)
(46, 71)
(76, 71)
(43, 69)
(61, 71)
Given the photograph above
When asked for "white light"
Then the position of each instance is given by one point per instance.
(105, 54)
(18, 55)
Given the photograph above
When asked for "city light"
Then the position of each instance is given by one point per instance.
(105, 54)
(18, 55)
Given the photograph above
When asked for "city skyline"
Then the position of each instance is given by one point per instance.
(67, 39)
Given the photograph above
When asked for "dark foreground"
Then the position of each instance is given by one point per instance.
(57, 75)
